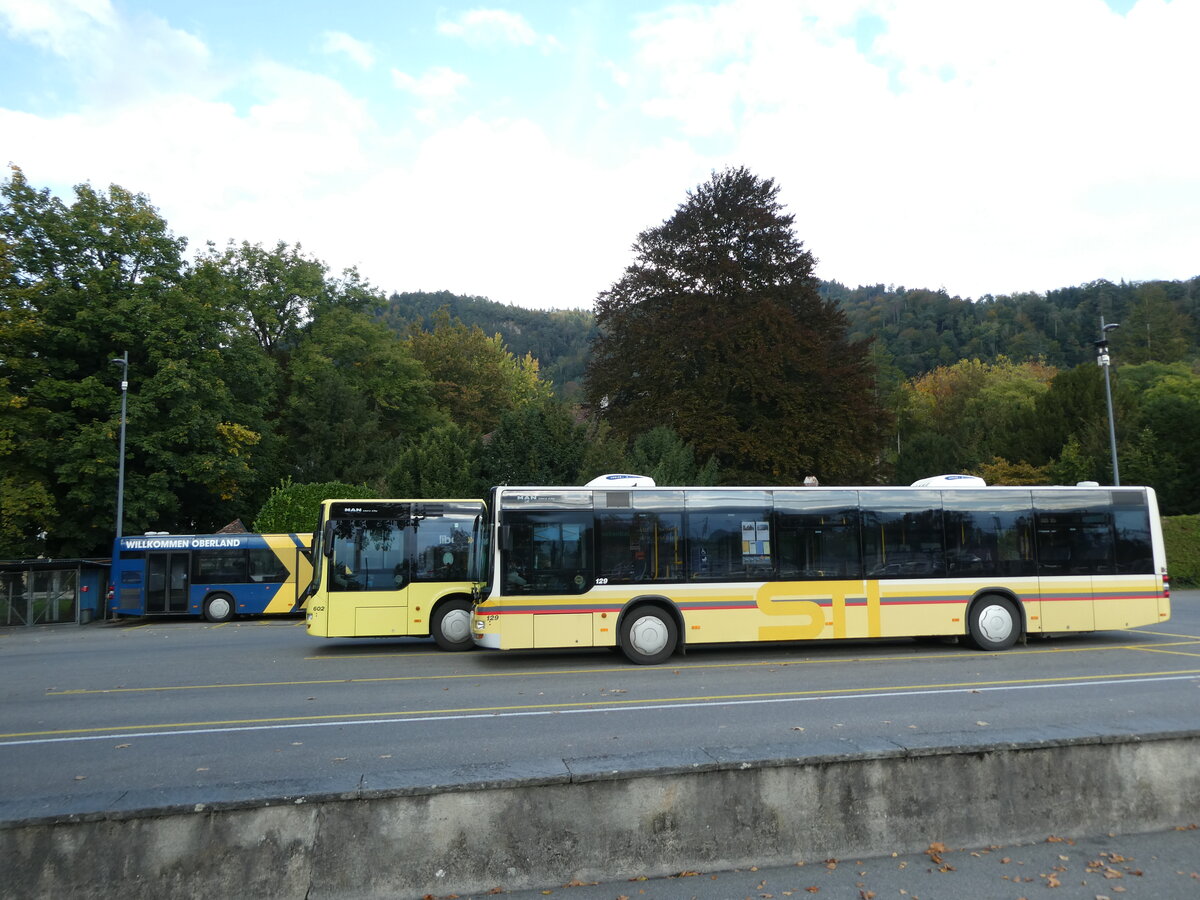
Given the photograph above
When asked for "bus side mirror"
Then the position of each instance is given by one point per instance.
(327, 543)
(505, 537)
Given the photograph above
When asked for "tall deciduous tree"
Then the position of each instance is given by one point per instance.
(356, 397)
(274, 294)
(958, 417)
(442, 462)
(475, 378)
(540, 443)
(718, 330)
(661, 454)
(81, 283)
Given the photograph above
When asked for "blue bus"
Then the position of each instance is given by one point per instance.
(217, 576)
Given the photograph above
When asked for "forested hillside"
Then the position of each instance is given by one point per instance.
(250, 367)
(1002, 386)
(921, 329)
(559, 339)
(915, 330)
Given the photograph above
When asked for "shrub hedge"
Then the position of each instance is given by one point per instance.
(1181, 534)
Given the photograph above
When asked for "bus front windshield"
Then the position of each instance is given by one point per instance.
(318, 554)
(480, 572)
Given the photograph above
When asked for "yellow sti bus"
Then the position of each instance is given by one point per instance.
(650, 570)
(387, 568)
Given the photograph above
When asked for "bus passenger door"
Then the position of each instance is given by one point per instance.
(166, 583)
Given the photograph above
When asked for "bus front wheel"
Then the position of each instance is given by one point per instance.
(218, 608)
(648, 635)
(451, 625)
(994, 623)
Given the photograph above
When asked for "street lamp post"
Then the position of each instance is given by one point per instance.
(1102, 360)
(123, 362)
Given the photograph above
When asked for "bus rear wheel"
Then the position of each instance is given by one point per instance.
(218, 608)
(648, 635)
(451, 625)
(994, 623)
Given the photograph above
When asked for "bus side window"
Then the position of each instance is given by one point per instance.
(549, 555)
(266, 567)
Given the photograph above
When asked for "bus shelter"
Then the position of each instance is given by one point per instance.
(52, 591)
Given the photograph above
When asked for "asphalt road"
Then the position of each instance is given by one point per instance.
(93, 713)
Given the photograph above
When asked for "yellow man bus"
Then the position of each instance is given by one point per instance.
(388, 568)
(651, 570)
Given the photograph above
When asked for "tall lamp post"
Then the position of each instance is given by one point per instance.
(1102, 360)
(123, 362)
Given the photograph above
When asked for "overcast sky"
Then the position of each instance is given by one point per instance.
(515, 151)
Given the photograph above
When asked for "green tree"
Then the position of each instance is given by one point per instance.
(272, 299)
(662, 454)
(956, 418)
(1159, 444)
(540, 443)
(1001, 471)
(294, 508)
(271, 294)
(83, 282)
(718, 331)
(356, 398)
(603, 452)
(1073, 407)
(442, 462)
(1155, 329)
(475, 378)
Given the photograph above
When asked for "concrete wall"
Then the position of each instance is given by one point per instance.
(548, 822)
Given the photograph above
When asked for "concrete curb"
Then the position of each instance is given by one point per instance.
(540, 822)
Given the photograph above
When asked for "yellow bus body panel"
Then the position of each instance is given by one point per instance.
(400, 613)
(298, 567)
(821, 610)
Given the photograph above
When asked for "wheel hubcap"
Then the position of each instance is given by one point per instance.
(456, 625)
(648, 635)
(995, 623)
(219, 608)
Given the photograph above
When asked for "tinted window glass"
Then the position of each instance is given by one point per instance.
(266, 566)
(368, 555)
(635, 547)
(729, 536)
(547, 552)
(1131, 524)
(989, 534)
(1074, 533)
(817, 533)
(219, 567)
(902, 534)
(442, 548)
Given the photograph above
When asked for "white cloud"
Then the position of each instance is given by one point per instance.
(57, 25)
(490, 27)
(359, 52)
(113, 59)
(987, 147)
(436, 84)
(495, 208)
(976, 146)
